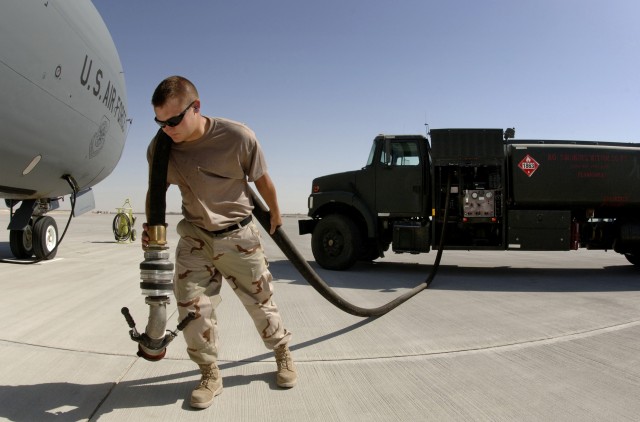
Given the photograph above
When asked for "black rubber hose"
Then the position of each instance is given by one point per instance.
(121, 237)
(158, 180)
(312, 277)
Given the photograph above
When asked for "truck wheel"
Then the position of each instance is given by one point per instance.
(336, 242)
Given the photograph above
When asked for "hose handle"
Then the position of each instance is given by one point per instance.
(190, 317)
(128, 317)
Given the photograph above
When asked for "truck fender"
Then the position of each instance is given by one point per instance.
(324, 202)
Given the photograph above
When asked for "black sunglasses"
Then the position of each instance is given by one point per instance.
(175, 120)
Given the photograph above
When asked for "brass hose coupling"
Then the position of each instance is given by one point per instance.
(157, 235)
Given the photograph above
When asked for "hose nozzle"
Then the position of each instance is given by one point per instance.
(149, 348)
(156, 273)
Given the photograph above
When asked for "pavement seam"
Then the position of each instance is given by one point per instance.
(113, 387)
(501, 347)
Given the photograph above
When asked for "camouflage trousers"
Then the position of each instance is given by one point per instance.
(202, 260)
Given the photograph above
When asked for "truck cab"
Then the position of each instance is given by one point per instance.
(353, 212)
(478, 189)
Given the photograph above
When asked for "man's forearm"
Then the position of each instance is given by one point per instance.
(267, 190)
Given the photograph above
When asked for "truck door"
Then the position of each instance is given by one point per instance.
(399, 178)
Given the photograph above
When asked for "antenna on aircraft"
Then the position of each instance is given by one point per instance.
(130, 121)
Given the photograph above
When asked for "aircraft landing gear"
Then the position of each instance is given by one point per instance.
(39, 238)
(45, 237)
(31, 232)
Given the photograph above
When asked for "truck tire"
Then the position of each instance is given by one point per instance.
(336, 242)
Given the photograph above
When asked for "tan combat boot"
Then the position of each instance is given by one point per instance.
(287, 375)
(210, 386)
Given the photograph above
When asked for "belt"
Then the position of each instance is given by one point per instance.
(232, 227)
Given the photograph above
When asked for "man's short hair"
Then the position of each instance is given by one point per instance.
(173, 87)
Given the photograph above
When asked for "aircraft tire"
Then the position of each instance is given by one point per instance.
(21, 242)
(45, 238)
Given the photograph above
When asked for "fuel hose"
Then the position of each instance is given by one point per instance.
(157, 197)
(312, 277)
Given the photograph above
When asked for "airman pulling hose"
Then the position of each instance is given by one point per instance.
(156, 270)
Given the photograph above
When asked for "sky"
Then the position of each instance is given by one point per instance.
(318, 80)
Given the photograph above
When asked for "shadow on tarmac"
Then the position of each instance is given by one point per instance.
(392, 277)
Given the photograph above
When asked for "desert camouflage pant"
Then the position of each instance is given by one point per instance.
(202, 259)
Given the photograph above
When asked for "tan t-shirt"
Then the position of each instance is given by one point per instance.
(213, 173)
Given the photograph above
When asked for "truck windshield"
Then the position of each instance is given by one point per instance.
(371, 154)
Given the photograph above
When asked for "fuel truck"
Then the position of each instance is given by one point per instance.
(487, 190)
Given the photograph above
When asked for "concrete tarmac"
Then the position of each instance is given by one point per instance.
(500, 336)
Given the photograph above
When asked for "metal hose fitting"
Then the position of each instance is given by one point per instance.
(156, 273)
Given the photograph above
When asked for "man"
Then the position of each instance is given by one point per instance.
(212, 160)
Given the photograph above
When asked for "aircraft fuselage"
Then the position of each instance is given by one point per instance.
(63, 114)
(63, 104)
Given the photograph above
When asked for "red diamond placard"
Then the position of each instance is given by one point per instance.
(528, 165)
